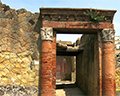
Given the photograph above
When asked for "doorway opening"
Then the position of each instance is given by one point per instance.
(67, 49)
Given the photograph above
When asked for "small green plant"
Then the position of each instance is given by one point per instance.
(94, 15)
(14, 31)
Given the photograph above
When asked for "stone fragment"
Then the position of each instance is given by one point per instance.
(24, 80)
(9, 82)
(25, 75)
(33, 36)
(25, 38)
(23, 43)
(3, 24)
(6, 53)
(17, 45)
(17, 82)
(19, 60)
(23, 65)
(27, 46)
(20, 11)
(19, 77)
(16, 70)
(5, 71)
(24, 54)
(29, 57)
(26, 60)
(14, 35)
(1, 42)
(10, 35)
(18, 50)
(1, 55)
(20, 39)
(37, 78)
(10, 66)
(9, 40)
(5, 62)
(4, 78)
(3, 48)
(36, 67)
(2, 66)
(23, 49)
(32, 74)
(31, 84)
(9, 49)
(13, 60)
(14, 42)
(30, 79)
(7, 57)
(10, 74)
(1, 73)
(24, 26)
(37, 73)
(30, 29)
(28, 13)
(13, 55)
(36, 83)
(21, 18)
(1, 59)
(8, 26)
(16, 65)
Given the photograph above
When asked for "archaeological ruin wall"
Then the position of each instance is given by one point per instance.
(87, 68)
(19, 48)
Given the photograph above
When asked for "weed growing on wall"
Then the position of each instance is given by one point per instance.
(94, 15)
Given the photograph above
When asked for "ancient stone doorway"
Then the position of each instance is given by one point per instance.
(75, 21)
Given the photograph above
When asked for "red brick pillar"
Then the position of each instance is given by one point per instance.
(46, 88)
(54, 63)
(108, 63)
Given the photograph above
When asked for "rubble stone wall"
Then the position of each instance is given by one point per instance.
(117, 69)
(19, 46)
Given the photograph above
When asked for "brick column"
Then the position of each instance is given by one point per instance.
(54, 63)
(46, 88)
(108, 63)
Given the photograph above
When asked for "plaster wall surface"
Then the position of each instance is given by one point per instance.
(69, 61)
(87, 66)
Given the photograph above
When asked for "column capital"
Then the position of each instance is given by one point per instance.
(107, 35)
(47, 33)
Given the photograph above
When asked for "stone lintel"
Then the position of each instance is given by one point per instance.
(74, 14)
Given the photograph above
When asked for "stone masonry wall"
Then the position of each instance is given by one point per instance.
(117, 69)
(87, 66)
(19, 45)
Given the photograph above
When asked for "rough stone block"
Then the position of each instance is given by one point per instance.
(1, 59)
